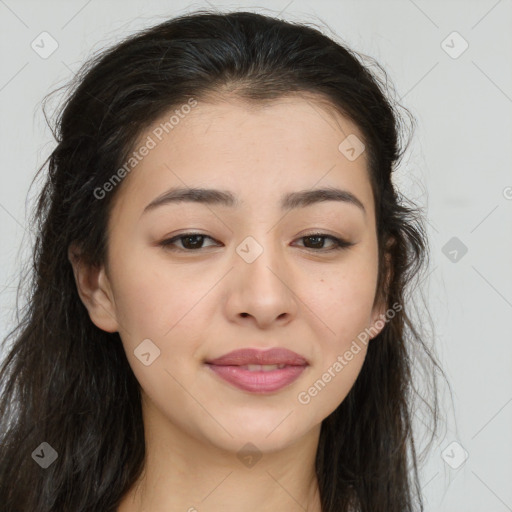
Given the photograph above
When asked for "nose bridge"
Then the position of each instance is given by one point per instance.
(260, 254)
(261, 287)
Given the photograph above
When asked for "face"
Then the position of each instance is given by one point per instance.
(189, 281)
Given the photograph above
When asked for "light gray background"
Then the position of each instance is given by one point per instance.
(458, 168)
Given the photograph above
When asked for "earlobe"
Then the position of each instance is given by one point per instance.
(95, 292)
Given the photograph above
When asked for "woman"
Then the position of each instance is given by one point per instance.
(218, 318)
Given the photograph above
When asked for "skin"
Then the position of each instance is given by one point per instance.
(203, 304)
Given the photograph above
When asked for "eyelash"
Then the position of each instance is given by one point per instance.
(340, 244)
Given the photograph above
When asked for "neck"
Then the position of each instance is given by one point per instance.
(184, 473)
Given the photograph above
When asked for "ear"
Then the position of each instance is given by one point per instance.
(378, 319)
(94, 289)
(378, 316)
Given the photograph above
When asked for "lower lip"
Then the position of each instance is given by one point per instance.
(258, 381)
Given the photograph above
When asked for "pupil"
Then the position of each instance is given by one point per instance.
(317, 238)
(193, 237)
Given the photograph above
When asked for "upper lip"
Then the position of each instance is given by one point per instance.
(247, 356)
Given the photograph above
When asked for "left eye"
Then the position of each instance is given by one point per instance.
(193, 241)
(338, 243)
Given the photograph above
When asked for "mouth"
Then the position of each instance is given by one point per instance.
(262, 367)
(259, 371)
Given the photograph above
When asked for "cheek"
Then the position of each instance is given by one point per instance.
(159, 317)
(162, 305)
(345, 304)
(341, 348)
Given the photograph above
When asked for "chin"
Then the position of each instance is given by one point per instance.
(253, 443)
(268, 435)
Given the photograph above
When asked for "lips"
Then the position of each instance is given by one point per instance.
(249, 356)
(259, 371)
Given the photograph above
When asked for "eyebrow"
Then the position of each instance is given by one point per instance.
(290, 201)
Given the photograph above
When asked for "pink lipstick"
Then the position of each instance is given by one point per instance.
(259, 371)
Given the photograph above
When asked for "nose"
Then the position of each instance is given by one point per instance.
(261, 290)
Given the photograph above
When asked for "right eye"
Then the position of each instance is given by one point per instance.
(189, 241)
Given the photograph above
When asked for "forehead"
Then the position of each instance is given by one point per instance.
(253, 149)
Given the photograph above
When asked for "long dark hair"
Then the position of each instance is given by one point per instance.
(68, 383)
